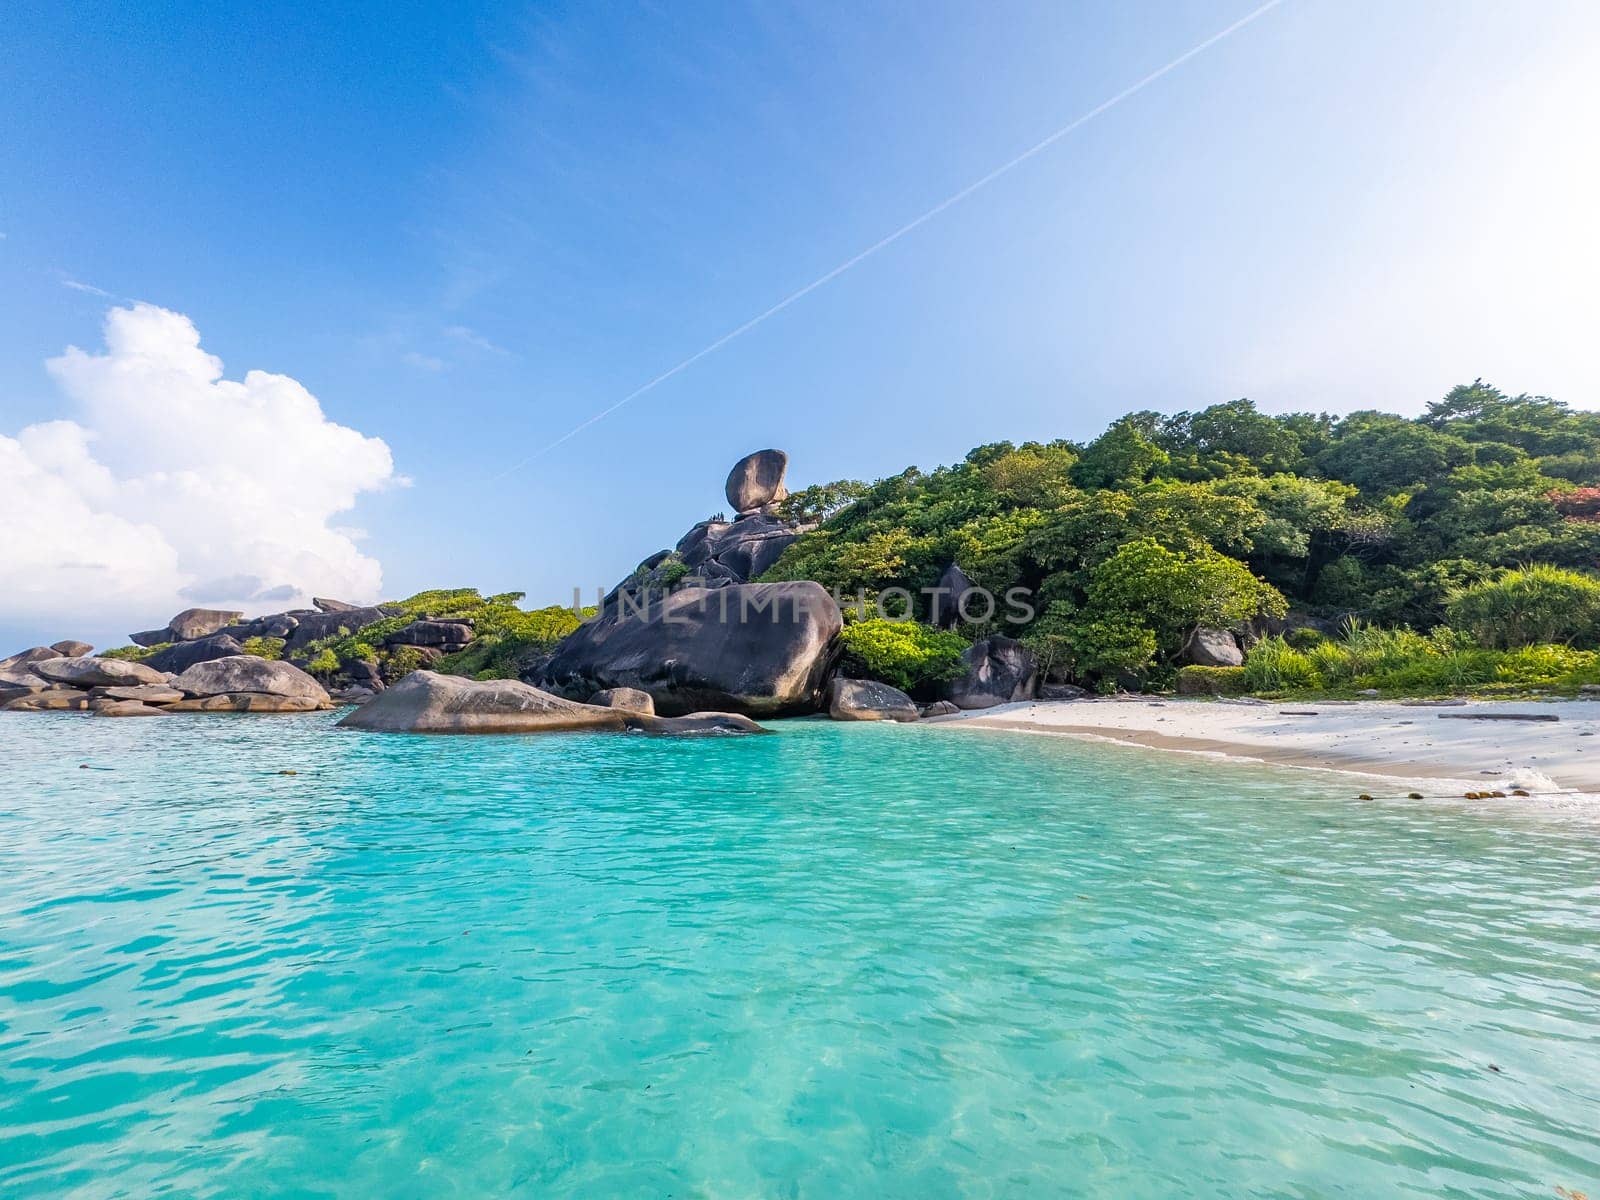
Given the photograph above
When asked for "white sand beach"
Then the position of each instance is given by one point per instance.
(1446, 745)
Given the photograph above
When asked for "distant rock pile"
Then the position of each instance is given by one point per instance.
(42, 679)
(689, 642)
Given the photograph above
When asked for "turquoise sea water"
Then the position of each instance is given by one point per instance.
(840, 961)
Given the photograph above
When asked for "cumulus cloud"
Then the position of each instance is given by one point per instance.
(175, 486)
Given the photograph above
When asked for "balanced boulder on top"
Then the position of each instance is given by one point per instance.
(757, 480)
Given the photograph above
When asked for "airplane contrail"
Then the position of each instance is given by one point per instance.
(889, 239)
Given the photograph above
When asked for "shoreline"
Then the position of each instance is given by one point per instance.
(1382, 740)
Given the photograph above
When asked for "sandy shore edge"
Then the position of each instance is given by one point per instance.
(1440, 745)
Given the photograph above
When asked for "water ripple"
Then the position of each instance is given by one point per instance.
(837, 962)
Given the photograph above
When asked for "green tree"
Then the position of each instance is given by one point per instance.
(1120, 456)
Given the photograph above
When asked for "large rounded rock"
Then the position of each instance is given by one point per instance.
(246, 673)
(868, 700)
(16, 672)
(426, 702)
(760, 648)
(23, 659)
(628, 699)
(89, 672)
(757, 480)
(996, 670)
(71, 649)
(1213, 648)
(180, 656)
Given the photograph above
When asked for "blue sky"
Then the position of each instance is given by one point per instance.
(467, 228)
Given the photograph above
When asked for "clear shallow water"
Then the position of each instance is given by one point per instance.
(840, 961)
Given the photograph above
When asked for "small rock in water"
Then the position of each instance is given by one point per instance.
(1414, 795)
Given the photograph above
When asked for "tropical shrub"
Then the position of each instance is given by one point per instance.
(1171, 592)
(1111, 647)
(1275, 666)
(1212, 681)
(905, 654)
(133, 653)
(1536, 604)
(263, 647)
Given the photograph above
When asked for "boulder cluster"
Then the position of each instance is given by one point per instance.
(689, 642)
(44, 679)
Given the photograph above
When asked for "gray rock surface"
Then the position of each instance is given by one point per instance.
(87, 672)
(1062, 691)
(762, 649)
(432, 633)
(426, 702)
(1213, 648)
(940, 708)
(194, 623)
(71, 649)
(124, 708)
(251, 702)
(245, 673)
(995, 670)
(757, 480)
(868, 700)
(310, 626)
(24, 659)
(54, 700)
(324, 604)
(944, 607)
(145, 693)
(180, 656)
(629, 699)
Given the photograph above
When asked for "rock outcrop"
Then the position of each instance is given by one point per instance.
(86, 672)
(244, 674)
(52, 700)
(868, 700)
(630, 699)
(191, 623)
(757, 480)
(23, 659)
(426, 702)
(144, 693)
(944, 606)
(309, 626)
(180, 656)
(445, 635)
(762, 649)
(71, 649)
(1212, 648)
(124, 708)
(995, 670)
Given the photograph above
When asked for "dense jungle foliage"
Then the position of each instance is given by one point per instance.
(1228, 517)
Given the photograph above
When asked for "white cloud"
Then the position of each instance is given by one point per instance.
(176, 487)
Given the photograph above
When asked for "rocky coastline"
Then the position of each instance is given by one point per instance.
(689, 643)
